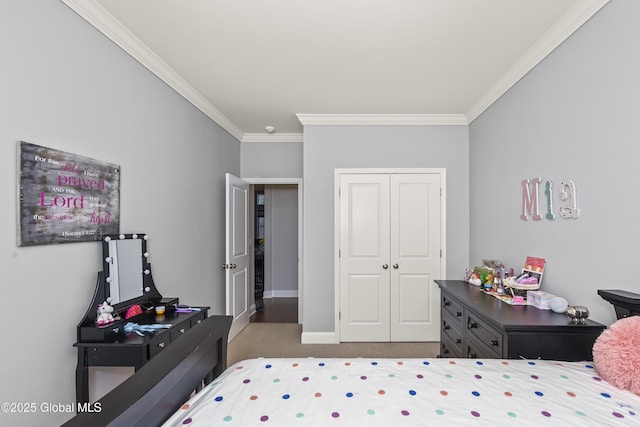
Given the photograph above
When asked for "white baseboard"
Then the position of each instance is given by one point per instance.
(319, 338)
(293, 293)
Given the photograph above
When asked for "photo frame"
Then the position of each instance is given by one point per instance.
(65, 197)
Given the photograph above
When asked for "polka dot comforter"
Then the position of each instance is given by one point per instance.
(409, 392)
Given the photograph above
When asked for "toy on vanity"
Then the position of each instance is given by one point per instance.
(105, 315)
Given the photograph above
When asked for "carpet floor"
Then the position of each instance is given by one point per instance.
(283, 340)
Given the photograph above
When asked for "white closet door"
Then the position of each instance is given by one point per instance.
(415, 257)
(364, 258)
(389, 256)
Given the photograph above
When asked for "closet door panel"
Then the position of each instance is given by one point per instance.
(364, 252)
(415, 256)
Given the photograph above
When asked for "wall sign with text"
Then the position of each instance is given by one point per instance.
(64, 197)
(567, 193)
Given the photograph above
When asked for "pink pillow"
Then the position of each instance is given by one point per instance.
(616, 354)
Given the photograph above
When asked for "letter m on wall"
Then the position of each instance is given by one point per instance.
(530, 199)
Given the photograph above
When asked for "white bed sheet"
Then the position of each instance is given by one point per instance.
(409, 392)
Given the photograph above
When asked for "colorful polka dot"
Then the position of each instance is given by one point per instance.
(371, 412)
(511, 415)
(571, 394)
(439, 412)
(187, 421)
(299, 415)
(412, 392)
(264, 418)
(381, 392)
(444, 392)
(508, 394)
(475, 413)
(227, 419)
(218, 398)
(539, 393)
(335, 414)
(405, 412)
(617, 414)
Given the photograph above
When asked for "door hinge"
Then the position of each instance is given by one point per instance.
(440, 253)
(339, 315)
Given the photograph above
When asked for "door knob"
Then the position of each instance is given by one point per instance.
(395, 265)
(385, 266)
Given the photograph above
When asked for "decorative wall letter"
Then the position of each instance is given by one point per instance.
(549, 192)
(530, 201)
(568, 195)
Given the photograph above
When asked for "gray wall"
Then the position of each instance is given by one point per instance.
(574, 116)
(329, 147)
(65, 86)
(271, 159)
(281, 253)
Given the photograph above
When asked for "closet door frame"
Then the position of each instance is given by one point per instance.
(443, 226)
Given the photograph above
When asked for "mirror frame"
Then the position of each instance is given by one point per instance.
(149, 291)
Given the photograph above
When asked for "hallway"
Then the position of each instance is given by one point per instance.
(277, 310)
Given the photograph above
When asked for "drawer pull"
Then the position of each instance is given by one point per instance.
(446, 327)
(458, 314)
(458, 340)
(447, 303)
(199, 321)
(161, 345)
(494, 343)
(182, 331)
(472, 325)
(473, 356)
(445, 351)
(116, 330)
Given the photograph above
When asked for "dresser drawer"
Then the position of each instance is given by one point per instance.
(485, 335)
(159, 343)
(197, 319)
(177, 331)
(453, 308)
(447, 349)
(477, 350)
(451, 332)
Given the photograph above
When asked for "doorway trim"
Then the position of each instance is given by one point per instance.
(288, 181)
(336, 224)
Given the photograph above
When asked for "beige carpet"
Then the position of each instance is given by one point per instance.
(283, 340)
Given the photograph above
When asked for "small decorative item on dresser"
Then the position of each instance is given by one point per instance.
(104, 314)
(578, 314)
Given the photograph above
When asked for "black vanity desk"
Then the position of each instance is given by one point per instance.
(132, 349)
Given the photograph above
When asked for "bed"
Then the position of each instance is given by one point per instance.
(348, 392)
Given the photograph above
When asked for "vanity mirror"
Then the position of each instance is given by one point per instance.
(125, 266)
(125, 280)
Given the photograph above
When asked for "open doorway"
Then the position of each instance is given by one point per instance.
(276, 265)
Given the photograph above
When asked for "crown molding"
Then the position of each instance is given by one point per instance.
(104, 22)
(573, 19)
(272, 137)
(383, 119)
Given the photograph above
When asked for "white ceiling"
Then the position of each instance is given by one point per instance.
(254, 63)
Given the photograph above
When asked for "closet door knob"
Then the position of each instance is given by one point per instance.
(395, 265)
(385, 266)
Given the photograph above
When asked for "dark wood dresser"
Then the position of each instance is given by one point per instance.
(478, 325)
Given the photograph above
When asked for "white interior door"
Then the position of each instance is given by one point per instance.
(237, 255)
(415, 257)
(389, 255)
(364, 258)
